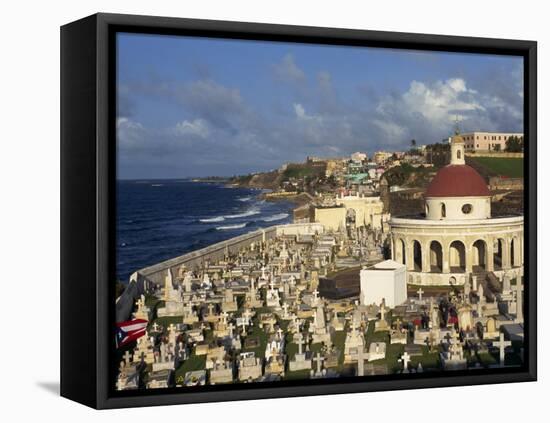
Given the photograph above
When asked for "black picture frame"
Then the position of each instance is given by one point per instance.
(88, 112)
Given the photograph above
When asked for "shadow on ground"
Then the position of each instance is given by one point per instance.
(51, 387)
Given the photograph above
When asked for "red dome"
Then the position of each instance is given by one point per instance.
(457, 181)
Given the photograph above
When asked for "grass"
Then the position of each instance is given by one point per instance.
(194, 362)
(262, 336)
(503, 166)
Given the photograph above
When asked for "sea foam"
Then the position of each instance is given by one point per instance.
(229, 227)
(212, 219)
(251, 212)
(279, 216)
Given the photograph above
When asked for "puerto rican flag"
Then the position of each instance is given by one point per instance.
(129, 331)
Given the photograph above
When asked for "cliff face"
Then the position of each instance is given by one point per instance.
(266, 180)
(270, 180)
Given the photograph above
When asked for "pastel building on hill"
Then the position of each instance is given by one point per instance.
(487, 141)
(385, 281)
(457, 236)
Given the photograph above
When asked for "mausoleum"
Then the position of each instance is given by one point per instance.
(457, 236)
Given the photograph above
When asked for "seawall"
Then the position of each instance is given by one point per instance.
(144, 279)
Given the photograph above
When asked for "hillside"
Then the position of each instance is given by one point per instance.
(497, 166)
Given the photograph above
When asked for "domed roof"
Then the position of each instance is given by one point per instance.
(457, 181)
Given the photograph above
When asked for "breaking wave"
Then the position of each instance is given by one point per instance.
(212, 219)
(278, 216)
(244, 214)
(229, 227)
(244, 199)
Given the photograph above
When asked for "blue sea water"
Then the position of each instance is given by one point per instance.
(159, 220)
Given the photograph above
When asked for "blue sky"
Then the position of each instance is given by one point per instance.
(200, 107)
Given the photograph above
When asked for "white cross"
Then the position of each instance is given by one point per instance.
(319, 361)
(231, 326)
(127, 356)
(361, 357)
(502, 344)
(300, 341)
(315, 294)
(247, 314)
(280, 333)
(405, 358)
(420, 292)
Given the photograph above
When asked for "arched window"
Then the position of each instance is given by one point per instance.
(458, 154)
(443, 210)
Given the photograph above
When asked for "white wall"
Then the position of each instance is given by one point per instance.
(29, 170)
(390, 285)
(481, 208)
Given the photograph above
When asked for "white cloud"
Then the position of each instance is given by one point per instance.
(287, 70)
(197, 127)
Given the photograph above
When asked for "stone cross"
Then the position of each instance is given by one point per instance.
(127, 356)
(247, 314)
(405, 358)
(230, 327)
(285, 309)
(361, 357)
(300, 341)
(280, 333)
(398, 325)
(315, 295)
(210, 309)
(155, 327)
(172, 327)
(319, 361)
(502, 344)
(224, 317)
(420, 292)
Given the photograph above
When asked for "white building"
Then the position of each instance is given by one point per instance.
(487, 141)
(387, 281)
(457, 236)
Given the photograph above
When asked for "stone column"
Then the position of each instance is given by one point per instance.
(521, 245)
(506, 264)
(468, 257)
(446, 257)
(489, 255)
(409, 251)
(425, 257)
(517, 251)
(393, 251)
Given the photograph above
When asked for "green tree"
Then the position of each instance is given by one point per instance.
(514, 144)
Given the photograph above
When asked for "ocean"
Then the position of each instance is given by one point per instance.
(158, 220)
